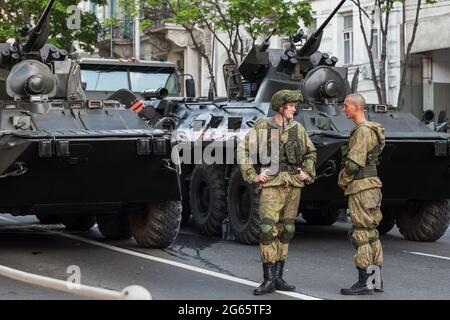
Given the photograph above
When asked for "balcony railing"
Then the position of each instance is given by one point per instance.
(123, 29)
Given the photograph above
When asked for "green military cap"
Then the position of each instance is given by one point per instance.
(282, 97)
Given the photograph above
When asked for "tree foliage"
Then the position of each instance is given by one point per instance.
(229, 17)
(14, 14)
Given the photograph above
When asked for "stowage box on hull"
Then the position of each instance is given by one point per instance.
(87, 167)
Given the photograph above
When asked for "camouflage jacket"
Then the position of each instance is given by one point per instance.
(306, 158)
(363, 139)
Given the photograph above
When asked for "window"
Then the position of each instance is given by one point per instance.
(248, 44)
(112, 8)
(141, 81)
(376, 44)
(112, 78)
(127, 27)
(348, 39)
(102, 80)
(313, 26)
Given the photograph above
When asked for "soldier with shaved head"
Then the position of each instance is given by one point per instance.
(359, 180)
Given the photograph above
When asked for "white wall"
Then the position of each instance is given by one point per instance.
(100, 11)
(441, 66)
(433, 30)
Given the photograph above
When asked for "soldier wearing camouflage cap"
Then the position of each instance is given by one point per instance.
(360, 182)
(294, 159)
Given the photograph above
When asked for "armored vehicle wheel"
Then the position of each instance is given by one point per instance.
(424, 220)
(208, 194)
(75, 222)
(185, 202)
(185, 211)
(157, 224)
(243, 209)
(114, 226)
(321, 217)
(388, 221)
(48, 218)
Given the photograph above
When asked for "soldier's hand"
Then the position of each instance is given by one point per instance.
(302, 175)
(262, 177)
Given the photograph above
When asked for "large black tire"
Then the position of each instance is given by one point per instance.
(185, 211)
(48, 218)
(185, 202)
(321, 217)
(208, 195)
(388, 221)
(243, 209)
(424, 220)
(114, 226)
(75, 222)
(157, 225)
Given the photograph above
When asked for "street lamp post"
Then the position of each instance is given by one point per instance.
(137, 32)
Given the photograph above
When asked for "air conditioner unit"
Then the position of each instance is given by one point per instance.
(366, 72)
(377, 69)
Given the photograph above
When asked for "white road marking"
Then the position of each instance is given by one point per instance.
(170, 262)
(427, 255)
(179, 265)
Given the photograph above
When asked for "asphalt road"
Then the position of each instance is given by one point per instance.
(202, 268)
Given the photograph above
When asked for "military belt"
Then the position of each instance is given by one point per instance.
(284, 167)
(366, 172)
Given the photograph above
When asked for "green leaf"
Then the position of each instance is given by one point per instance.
(22, 12)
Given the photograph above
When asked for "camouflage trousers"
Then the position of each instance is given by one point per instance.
(278, 209)
(365, 215)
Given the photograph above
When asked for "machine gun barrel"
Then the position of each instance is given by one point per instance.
(266, 43)
(325, 23)
(312, 44)
(38, 28)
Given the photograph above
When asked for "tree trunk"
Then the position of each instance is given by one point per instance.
(383, 57)
(204, 56)
(241, 45)
(214, 33)
(408, 56)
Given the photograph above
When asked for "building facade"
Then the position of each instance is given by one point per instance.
(429, 71)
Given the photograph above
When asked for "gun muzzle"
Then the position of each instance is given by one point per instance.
(284, 62)
(160, 93)
(292, 63)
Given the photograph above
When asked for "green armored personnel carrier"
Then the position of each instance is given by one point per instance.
(69, 158)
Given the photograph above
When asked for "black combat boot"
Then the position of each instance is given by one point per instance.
(268, 285)
(280, 284)
(360, 287)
